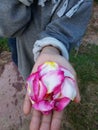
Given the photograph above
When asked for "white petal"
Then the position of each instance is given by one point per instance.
(68, 89)
(47, 67)
(67, 73)
(52, 79)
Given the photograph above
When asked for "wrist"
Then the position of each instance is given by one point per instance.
(50, 50)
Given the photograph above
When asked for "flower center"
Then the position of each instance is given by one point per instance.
(49, 97)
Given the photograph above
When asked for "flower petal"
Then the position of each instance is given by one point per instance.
(39, 89)
(47, 67)
(47, 112)
(31, 78)
(68, 88)
(51, 87)
(42, 91)
(29, 91)
(60, 104)
(35, 88)
(29, 84)
(52, 79)
(57, 92)
(44, 106)
(67, 72)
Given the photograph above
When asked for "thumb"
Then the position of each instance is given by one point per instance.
(27, 105)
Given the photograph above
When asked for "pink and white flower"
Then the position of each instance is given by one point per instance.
(51, 87)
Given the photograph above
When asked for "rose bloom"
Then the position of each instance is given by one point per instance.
(52, 87)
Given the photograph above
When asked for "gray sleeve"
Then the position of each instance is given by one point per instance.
(14, 16)
(26, 2)
(70, 30)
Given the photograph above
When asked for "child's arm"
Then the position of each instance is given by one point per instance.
(53, 120)
(65, 32)
(14, 16)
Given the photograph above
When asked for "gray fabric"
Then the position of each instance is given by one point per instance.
(30, 23)
(26, 2)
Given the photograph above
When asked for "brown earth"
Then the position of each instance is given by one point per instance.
(12, 93)
(92, 31)
(12, 89)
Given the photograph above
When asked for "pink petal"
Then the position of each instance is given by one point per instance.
(29, 84)
(39, 89)
(44, 106)
(47, 112)
(42, 91)
(52, 79)
(57, 92)
(68, 88)
(57, 89)
(60, 104)
(31, 78)
(36, 86)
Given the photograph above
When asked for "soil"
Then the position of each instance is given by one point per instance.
(91, 36)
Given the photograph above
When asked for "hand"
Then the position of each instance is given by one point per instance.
(53, 120)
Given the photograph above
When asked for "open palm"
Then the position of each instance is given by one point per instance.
(51, 121)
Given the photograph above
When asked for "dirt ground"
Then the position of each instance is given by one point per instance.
(92, 31)
(12, 88)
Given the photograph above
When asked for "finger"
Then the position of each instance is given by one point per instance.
(78, 98)
(27, 105)
(36, 120)
(46, 121)
(56, 120)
